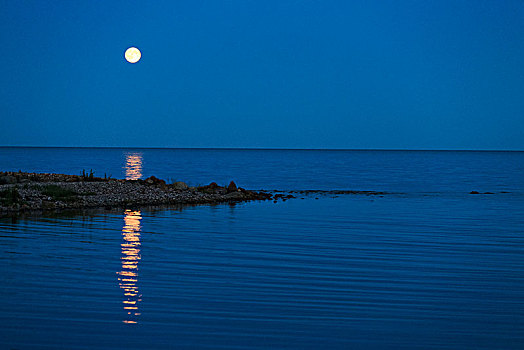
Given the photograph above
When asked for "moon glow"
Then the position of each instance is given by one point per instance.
(132, 55)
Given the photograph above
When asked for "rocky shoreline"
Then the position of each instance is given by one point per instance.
(22, 192)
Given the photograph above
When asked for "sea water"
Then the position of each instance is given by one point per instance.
(427, 265)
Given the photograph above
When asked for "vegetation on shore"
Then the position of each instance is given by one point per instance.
(10, 197)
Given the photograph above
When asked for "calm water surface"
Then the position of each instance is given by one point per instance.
(428, 266)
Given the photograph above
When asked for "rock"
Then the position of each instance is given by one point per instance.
(153, 180)
(212, 188)
(180, 185)
(474, 192)
(232, 187)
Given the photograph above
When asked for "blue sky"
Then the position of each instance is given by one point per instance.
(263, 74)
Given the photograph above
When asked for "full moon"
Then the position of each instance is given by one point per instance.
(133, 55)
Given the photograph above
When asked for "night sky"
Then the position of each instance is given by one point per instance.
(263, 74)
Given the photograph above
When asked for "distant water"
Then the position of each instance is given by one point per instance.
(428, 266)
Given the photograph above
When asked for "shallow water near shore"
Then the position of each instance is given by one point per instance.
(427, 266)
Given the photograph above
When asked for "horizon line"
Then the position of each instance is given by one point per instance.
(277, 148)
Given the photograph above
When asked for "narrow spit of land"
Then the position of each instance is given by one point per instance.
(33, 192)
(22, 192)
